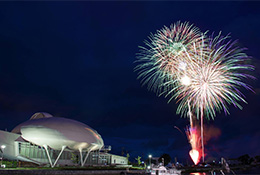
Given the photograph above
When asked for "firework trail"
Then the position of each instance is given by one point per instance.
(179, 130)
(202, 73)
(194, 140)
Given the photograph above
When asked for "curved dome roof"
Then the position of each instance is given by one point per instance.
(44, 129)
(37, 115)
(40, 115)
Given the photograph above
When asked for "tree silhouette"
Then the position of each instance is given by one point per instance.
(138, 160)
(166, 158)
(244, 159)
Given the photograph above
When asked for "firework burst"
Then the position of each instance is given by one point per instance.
(214, 79)
(203, 74)
(184, 64)
(167, 56)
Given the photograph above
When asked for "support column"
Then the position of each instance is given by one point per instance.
(91, 148)
(63, 147)
(48, 155)
(81, 156)
(98, 156)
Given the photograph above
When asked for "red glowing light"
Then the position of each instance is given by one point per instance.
(194, 139)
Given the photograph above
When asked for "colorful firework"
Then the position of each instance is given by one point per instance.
(184, 64)
(202, 73)
(213, 79)
(167, 56)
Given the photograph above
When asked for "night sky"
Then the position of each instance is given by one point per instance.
(76, 60)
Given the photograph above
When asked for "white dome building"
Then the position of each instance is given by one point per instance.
(47, 138)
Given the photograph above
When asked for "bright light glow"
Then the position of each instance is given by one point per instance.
(185, 80)
(150, 156)
(194, 139)
(148, 167)
(182, 66)
(3, 146)
(194, 154)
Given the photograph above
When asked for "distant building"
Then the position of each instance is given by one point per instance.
(45, 139)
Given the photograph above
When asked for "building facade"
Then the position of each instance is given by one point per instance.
(45, 139)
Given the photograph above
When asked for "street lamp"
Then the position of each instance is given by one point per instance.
(2, 148)
(150, 157)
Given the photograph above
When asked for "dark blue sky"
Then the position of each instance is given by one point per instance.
(75, 60)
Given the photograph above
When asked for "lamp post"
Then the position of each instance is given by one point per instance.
(150, 160)
(2, 148)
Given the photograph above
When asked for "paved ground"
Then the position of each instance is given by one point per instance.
(69, 172)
